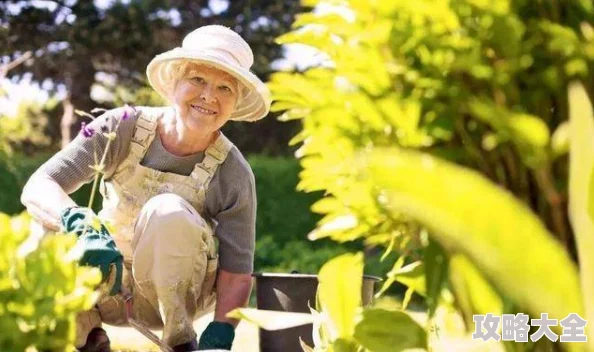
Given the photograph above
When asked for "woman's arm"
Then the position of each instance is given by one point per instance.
(232, 197)
(233, 291)
(45, 199)
(46, 193)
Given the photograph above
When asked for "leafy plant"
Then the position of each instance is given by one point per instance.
(41, 288)
(439, 131)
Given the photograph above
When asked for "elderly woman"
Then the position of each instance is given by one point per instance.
(173, 185)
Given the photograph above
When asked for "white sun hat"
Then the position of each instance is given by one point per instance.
(222, 48)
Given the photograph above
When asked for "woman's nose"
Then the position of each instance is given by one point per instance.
(208, 94)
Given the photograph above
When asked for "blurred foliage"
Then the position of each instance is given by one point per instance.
(278, 201)
(80, 46)
(439, 131)
(14, 173)
(581, 188)
(41, 288)
(469, 82)
(25, 131)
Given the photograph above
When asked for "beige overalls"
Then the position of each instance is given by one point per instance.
(170, 257)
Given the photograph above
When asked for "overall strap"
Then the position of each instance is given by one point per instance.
(214, 156)
(144, 132)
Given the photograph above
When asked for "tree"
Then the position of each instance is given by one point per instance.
(73, 40)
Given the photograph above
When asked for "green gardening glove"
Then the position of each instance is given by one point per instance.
(217, 336)
(98, 247)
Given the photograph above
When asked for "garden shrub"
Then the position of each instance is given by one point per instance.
(41, 289)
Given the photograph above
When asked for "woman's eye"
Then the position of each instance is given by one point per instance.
(225, 89)
(198, 80)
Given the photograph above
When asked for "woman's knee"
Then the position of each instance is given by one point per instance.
(170, 218)
(169, 209)
(166, 204)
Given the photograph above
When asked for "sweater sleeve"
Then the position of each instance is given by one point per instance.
(71, 167)
(232, 204)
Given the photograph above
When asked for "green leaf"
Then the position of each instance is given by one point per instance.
(586, 5)
(382, 330)
(467, 213)
(581, 191)
(560, 139)
(411, 275)
(436, 269)
(530, 130)
(529, 133)
(474, 295)
(271, 319)
(391, 278)
(407, 297)
(344, 345)
(340, 282)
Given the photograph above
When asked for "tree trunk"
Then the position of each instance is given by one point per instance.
(67, 121)
(79, 79)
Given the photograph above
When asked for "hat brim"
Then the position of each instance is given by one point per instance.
(255, 99)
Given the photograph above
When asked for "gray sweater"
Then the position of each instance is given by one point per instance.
(230, 199)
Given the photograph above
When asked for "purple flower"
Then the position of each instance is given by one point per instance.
(127, 113)
(86, 131)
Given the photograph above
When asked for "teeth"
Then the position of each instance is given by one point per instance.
(203, 110)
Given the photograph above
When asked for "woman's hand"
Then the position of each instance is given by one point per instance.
(98, 247)
(217, 336)
(233, 291)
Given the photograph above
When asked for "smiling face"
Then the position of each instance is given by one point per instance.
(205, 97)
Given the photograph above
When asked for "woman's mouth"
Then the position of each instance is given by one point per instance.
(203, 110)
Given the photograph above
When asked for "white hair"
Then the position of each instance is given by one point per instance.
(177, 69)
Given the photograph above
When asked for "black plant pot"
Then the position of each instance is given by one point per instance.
(294, 293)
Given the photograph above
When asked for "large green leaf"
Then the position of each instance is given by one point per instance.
(271, 319)
(581, 191)
(339, 290)
(391, 331)
(466, 213)
(474, 295)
